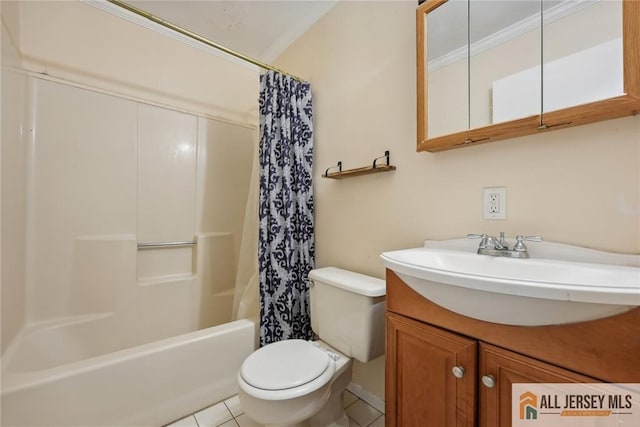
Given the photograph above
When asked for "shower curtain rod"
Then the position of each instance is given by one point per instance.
(199, 38)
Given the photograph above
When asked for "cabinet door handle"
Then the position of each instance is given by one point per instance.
(488, 381)
(458, 371)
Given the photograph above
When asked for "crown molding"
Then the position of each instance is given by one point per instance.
(515, 30)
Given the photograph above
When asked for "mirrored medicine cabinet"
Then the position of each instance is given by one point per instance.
(496, 69)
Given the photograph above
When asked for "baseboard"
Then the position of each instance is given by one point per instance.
(367, 396)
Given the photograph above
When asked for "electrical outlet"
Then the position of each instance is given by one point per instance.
(495, 203)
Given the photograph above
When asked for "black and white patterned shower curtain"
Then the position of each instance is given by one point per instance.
(286, 243)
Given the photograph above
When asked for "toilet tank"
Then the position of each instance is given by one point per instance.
(347, 311)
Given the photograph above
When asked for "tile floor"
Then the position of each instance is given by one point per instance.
(228, 413)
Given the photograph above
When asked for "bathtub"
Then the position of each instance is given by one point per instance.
(146, 385)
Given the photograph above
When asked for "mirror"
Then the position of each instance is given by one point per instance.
(504, 29)
(582, 53)
(496, 69)
(447, 57)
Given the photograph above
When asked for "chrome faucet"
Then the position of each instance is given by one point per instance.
(496, 246)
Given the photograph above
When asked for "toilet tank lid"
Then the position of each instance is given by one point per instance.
(350, 281)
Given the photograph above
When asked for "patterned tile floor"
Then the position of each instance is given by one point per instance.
(228, 413)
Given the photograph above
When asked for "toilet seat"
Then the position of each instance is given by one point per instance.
(286, 369)
(284, 364)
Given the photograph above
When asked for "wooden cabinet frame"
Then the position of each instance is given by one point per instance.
(624, 105)
(424, 341)
(607, 349)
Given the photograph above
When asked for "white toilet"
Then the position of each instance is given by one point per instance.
(300, 383)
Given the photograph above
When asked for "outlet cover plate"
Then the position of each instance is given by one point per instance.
(495, 203)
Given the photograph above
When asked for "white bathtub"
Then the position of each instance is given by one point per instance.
(147, 385)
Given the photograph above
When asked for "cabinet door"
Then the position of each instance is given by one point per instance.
(583, 53)
(421, 389)
(507, 368)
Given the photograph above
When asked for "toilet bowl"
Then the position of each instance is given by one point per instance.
(300, 383)
(295, 383)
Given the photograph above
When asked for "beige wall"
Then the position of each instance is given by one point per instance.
(579, 186)
(13, 156)
(77, 42)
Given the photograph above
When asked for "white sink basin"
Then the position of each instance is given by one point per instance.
(559, 284)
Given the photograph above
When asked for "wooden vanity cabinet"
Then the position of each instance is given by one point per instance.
(426, 341)
(419, 379)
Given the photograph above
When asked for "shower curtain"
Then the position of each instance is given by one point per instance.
(286, 240)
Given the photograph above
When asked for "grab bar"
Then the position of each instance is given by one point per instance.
(157, 245)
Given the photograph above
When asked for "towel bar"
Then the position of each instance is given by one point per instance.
(157, 245)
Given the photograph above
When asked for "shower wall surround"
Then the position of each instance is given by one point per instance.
(108, 173)
(59, 280)
(82, 183)
(14, 171)
(167, 143)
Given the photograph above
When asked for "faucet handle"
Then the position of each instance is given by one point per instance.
(520, 247)
(530, 238)
(483, 243)
(476, 236)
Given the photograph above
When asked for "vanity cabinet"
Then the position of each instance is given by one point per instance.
(420, 358)
(445, 369)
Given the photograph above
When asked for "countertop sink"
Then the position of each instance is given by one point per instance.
(558, 284)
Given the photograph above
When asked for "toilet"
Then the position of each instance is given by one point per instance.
(300, 383)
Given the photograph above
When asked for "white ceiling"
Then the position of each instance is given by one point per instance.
(260, 29)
